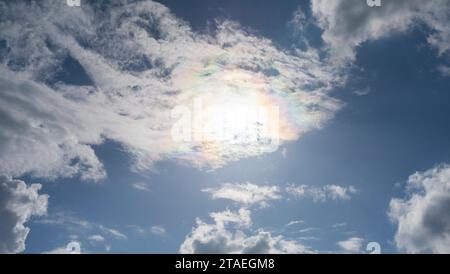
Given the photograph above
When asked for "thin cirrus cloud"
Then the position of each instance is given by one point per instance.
(248, 194)
(142, 186)
(158, 230)
(245, 193)
(82, 228)
(323, 193)
(295, 222)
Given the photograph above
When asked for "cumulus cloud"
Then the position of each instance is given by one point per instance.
(228, 234)
(423, 216)
(18, 203)
(351, 245)
(245, 193)
(349, 23)
(136, 62)
(322, 194)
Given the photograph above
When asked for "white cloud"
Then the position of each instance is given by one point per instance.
(96, 238)
(296, 222)
(362, 92)
(423, 216)
(43, 133)
(158, 230)
(337, 225)
(18, 202)
(308, 230)
(113, 232)
(227, 235)
(58, 250)
(322, 194)
(245, 193)
(141, 186)
(352, 245)
(73, 247)
(349, 23)
(142, 61)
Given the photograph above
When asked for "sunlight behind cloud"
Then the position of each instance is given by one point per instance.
(154, 66)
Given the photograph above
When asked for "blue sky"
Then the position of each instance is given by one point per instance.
(364, 159)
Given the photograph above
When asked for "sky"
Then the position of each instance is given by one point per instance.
(225, 126)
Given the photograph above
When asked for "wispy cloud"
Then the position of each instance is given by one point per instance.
(78, 226)
(338, 225)
(158, 230)
(323, 193)
(96, 238)
(245, 193)
(142, 186)
(296, 222)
